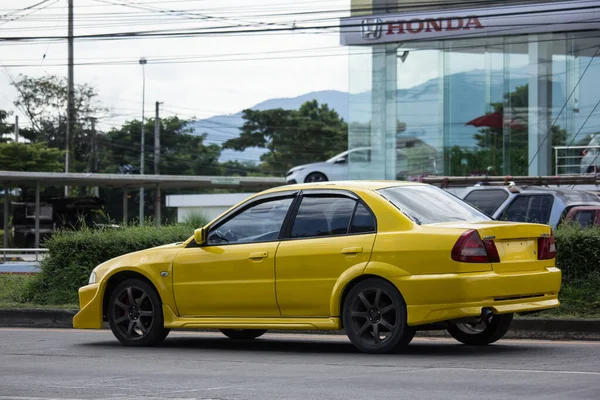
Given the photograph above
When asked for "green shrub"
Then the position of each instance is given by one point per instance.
(72, 256)
(577, 251)
(196, 220)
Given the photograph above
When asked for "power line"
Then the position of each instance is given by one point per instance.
(225, 31)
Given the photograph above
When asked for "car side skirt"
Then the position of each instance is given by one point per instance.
(172, 321)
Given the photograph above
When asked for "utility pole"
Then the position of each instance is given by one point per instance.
(70, 94)
(142, 140)
(156, 139)
(16, 129)
(156, 161)
(94, 163)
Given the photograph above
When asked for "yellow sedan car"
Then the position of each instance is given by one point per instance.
(380, 260)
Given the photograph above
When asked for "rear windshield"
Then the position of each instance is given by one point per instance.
(430, 205)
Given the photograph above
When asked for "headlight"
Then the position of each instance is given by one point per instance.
(92, 278)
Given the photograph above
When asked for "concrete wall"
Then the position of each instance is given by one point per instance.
(209, 206)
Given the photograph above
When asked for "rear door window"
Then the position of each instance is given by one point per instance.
(487, 201)
(534, 208)
(585, 218)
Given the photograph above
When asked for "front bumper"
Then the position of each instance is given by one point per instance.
(90, 303)
(443, 297)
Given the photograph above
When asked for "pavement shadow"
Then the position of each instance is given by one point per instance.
(328, 345)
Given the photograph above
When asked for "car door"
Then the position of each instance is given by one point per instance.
(233, 274)
(330, 233)
(338, 169)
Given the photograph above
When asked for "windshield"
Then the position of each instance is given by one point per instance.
(332, 159)
(595, 140)
(430, 205)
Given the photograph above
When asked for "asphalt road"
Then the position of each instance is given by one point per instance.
(71, 364)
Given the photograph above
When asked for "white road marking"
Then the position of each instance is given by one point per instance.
(512, 371)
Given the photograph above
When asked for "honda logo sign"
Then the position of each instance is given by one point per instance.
(371, 28)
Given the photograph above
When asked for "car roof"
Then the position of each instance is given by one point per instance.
(567, 195)
(345, 185)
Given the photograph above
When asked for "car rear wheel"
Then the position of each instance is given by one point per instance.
(315, 177)
(481, 333)
(243, 334)
(374, 316)
(135, 314)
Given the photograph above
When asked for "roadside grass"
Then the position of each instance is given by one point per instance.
(579, 299)
(12, 288)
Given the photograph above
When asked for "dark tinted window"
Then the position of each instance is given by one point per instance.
(363, 220)
(585, 218)
(323, 216)
(426, 204)
(259, 223)
(529, 208)
(487, 201)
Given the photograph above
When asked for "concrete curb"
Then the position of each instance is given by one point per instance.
(522, 328)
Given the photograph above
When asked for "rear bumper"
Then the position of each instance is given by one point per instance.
(90, 303)
(436, 298)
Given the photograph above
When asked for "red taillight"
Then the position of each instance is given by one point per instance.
(546, 248)
(470, 248)
(584, 153)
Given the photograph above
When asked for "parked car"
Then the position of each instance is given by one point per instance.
(381, 260)
(413, 157)
(528, 203)
(585, 216)
(590, 162)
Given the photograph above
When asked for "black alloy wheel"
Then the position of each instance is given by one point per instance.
(481, 333)
(135, 314)
(315, 177)
(243, 334)
(374, 316)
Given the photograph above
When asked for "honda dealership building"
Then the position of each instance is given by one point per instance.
(467, 87)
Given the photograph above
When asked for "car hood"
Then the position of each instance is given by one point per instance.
(310, 166)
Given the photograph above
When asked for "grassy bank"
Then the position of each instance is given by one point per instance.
(12, 287)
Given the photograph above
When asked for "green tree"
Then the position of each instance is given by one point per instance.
(31, 157)
(292, 137)
(44, 102)
(5, 128)
(181, 153)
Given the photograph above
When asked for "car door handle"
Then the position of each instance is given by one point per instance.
(352, 250)
(258, 255)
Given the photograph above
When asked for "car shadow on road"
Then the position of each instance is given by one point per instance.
(327, 345)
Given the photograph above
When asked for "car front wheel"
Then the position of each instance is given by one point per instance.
(315, 177)
(481, 333)
(374, 316)
(135, 314)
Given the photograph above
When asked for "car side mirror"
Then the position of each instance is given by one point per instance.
(200, 236)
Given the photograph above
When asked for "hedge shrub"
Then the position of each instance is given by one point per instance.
(577, 251)
(72, 256)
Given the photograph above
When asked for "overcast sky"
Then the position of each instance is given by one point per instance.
(214, 82)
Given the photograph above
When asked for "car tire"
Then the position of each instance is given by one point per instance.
(135, 314)
(243, 334)
(374, 307)
(315, 177)
(491, 332)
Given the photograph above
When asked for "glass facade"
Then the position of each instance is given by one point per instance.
(493, 105)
